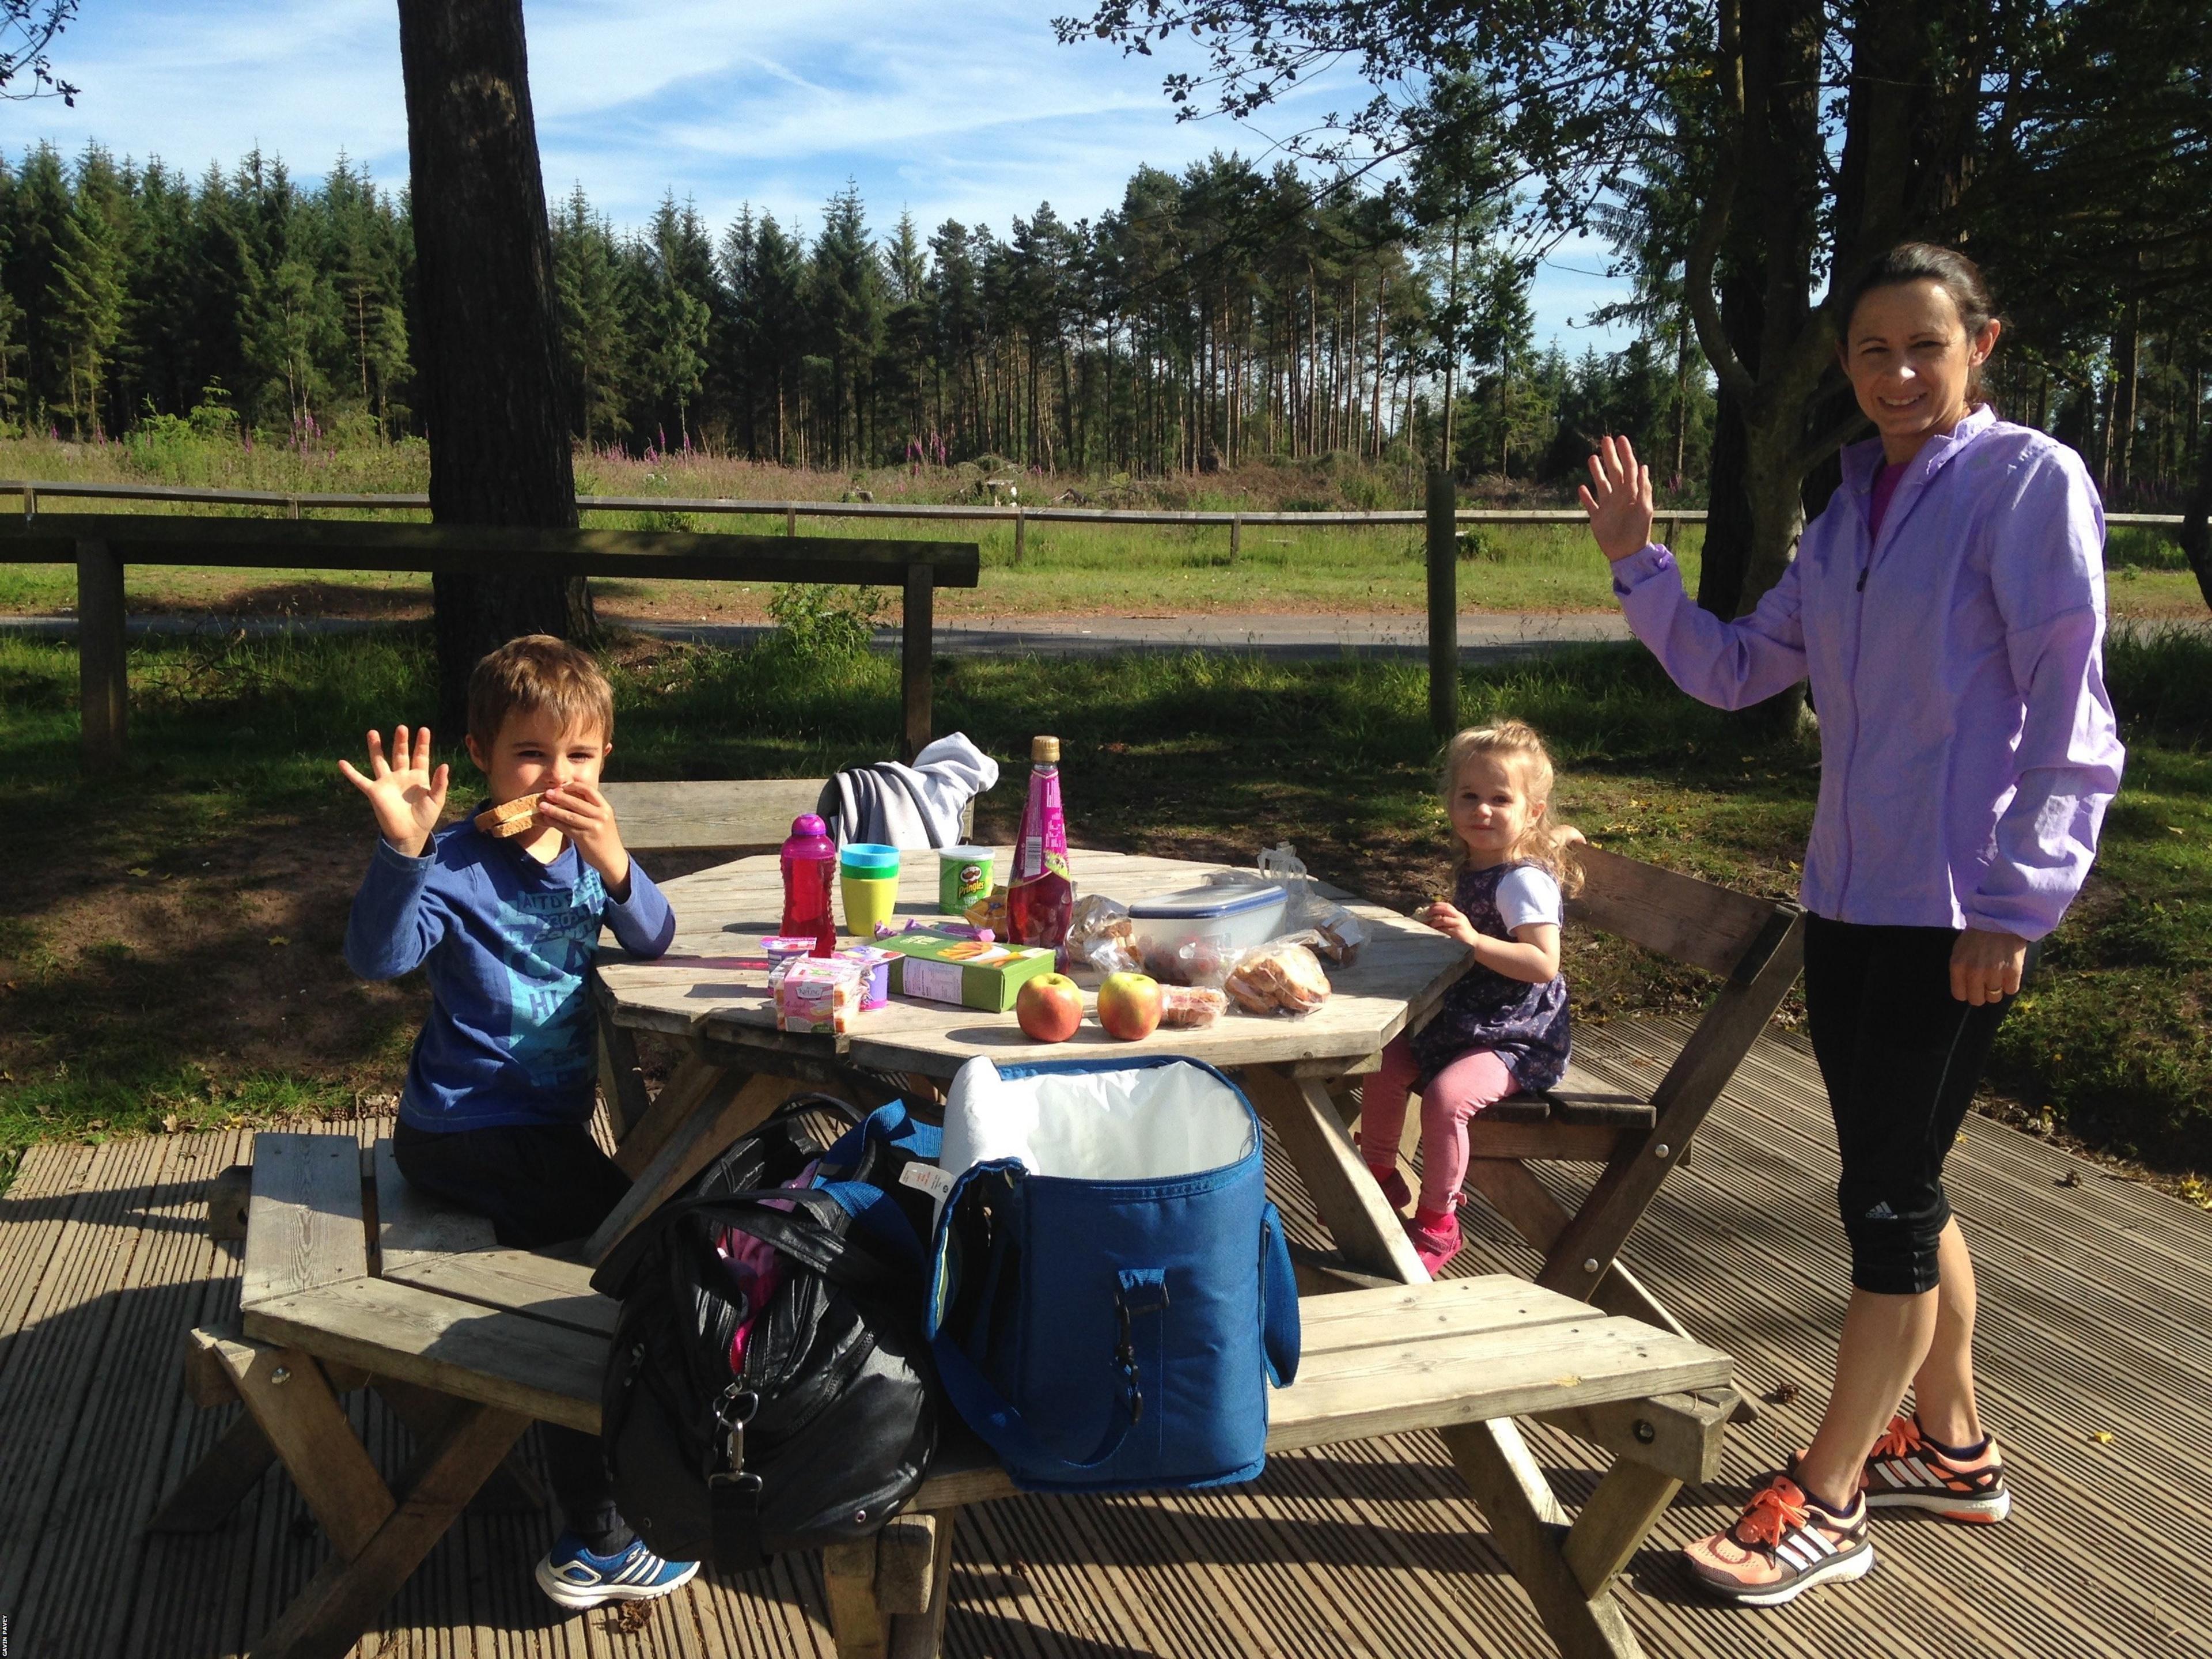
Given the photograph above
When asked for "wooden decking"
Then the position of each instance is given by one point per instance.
(2093, 1320)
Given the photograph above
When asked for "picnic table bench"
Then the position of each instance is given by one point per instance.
(353, 1279)
(732, 816)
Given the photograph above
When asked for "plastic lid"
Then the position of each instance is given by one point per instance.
(870, 856)
(1205, 903)
(1044, 751)
(809, 824)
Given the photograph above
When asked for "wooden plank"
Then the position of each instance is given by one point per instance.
(325, 1619)
(304, 1226)
(527, 1282)
(915, 644)
(686, 1085)
(1571, 1143)
(218, 1483)
(1615, 1521)
(207, 1380)
(430, 1416)
(1400, 1313)
(296, 1410)
(392, 1329)
(621, 1075)
(1680, 1434)
(1695, 921)
(1581, 1255)
(1524, 1516)
(738, 816)
(1496, 1374)
(413, 1226)
(103, 657)
(480, 550)
(906, 1560)
(1367, 1231)
(736, 1105)
(848, 1583)
(922, 1635)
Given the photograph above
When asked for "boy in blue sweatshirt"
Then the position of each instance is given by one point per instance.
(495, 1115)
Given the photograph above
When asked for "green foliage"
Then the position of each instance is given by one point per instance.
(816, 625)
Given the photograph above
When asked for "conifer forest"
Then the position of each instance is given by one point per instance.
(1214, 318)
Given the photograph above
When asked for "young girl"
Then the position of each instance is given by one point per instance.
(1504, 1027)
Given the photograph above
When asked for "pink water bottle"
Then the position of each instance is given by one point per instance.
(810, 866)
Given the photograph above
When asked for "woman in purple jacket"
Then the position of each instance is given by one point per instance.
(1948, 608)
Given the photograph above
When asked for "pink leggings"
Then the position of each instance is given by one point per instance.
(1475, 1080)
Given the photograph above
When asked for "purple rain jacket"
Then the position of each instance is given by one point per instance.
(1967, 745)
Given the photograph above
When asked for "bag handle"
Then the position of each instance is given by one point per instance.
(1140, 1290)
(796, 1232)
(1279, 1332)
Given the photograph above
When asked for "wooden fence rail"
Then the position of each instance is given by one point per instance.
(102, 545)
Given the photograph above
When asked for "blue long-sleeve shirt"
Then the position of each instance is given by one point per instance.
(508, 943)
(1968, 747)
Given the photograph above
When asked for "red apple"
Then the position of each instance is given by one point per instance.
(1129, 1005)
(1049, 1007)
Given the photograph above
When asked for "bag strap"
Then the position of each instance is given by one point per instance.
(1140, 1290)
(796, 1232)
(1280, 1331)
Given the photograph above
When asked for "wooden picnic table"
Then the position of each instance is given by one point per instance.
(737, 1068)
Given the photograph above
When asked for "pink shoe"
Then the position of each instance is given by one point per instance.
(1395, 1192)
(1436, 1237)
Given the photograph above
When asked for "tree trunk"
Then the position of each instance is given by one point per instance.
(489, 349)
(2196, 521)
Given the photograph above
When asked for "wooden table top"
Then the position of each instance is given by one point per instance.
(696, 990)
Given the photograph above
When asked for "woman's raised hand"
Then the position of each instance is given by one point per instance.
(1618, 499)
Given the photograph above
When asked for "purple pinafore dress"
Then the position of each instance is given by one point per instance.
(1524, 1025)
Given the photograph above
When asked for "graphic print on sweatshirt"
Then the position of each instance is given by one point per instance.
(549, 936)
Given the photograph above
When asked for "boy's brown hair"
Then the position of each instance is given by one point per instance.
(534, 674)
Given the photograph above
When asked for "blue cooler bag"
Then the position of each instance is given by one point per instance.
(1111, 1296)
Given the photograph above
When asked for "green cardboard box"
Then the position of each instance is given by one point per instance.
(938, 967)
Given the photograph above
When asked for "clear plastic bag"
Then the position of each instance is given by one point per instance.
(1101, 935)
(1187, 1007)
(1329, 930)
(1279, 977)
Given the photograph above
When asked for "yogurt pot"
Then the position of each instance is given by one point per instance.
(780, 948)
(876, 988)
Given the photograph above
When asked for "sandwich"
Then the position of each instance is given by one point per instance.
(512, 817)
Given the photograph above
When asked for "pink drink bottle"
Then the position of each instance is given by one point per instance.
(1042, 894)
(810, 866)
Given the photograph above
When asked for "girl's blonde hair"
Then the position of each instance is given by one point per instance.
(1546, 842)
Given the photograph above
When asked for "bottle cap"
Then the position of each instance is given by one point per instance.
(809, 824)
(1044, 751)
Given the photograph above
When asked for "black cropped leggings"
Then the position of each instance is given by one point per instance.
(1901, 1056)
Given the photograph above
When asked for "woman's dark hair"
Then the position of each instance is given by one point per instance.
(1925, 262)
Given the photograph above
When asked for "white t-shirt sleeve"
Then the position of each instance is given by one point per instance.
(1528, 895)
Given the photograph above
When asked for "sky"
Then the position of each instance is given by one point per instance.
(972, 112)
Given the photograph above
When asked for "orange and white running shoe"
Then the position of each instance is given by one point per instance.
(1907, 1470)
(1784, 1543)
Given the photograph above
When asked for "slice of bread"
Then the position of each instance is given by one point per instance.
(511, 818)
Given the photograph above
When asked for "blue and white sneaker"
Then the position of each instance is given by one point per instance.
(576, 1578)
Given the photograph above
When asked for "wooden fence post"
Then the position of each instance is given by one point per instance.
(1444, 604)
(916, 646)
(790, 519)
(103, 687)
(1235, 537)
(1021, 533)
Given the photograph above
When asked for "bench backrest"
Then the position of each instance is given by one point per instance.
(1695, 921)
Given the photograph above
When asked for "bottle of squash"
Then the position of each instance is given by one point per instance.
(1041, 893)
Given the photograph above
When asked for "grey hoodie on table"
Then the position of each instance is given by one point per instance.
(909, 806)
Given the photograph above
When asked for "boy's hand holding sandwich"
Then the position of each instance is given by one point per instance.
(406, 795)
(581, 812)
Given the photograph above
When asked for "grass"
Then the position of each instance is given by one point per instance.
(173, 962)
(1065, 568)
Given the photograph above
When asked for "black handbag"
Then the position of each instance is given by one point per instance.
(826, 1424)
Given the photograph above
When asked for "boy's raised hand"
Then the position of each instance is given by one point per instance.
(581, 812)
(1618, 499)
(406, 796)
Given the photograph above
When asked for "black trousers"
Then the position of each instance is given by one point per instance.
(538, 1184)
(1901, 1056)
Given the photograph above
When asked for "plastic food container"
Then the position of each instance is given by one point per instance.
(876, 988)
(1228, 918)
